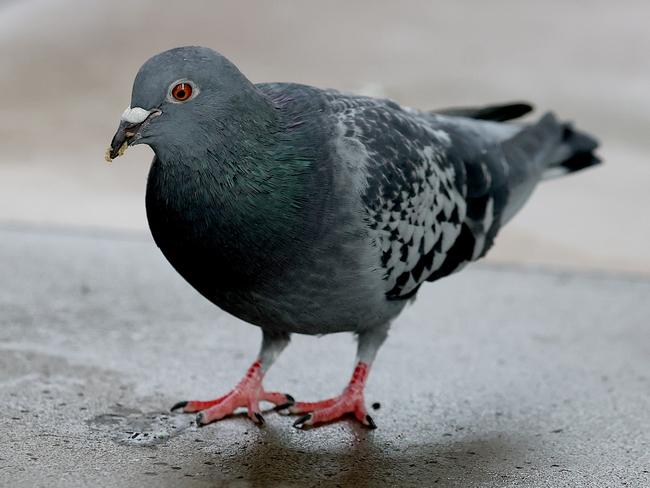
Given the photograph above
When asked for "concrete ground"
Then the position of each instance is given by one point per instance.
(534, 378)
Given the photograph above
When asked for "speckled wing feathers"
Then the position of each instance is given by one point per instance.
(432, 203)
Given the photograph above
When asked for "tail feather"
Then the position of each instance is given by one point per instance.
(496, 113)
(547, 148)
(575, 152)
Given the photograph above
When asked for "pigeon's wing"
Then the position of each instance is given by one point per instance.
(414, 192)
(437, 187)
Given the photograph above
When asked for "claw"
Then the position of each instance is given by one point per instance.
(371, 423)
(260, 419)
(290, 401)
(178, 405)
(302, 421)
(199, 419)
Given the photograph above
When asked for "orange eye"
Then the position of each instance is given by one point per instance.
(182, 91)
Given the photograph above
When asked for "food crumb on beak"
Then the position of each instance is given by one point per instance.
(120, 151)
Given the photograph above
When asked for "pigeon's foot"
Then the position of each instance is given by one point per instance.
(351, 401)
(248, 393)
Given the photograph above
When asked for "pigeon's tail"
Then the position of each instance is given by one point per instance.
(575, 152)
(548, 148)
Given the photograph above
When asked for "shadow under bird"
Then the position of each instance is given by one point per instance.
(311, 211)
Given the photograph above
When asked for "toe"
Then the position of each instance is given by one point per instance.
(193, 406)
(281, 400)
(304, 407)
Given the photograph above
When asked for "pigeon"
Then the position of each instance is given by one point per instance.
(312, 211)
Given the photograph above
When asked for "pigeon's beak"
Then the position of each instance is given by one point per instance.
(131, 123)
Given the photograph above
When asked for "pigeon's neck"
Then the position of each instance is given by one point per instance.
(243, 191)
(247, 168)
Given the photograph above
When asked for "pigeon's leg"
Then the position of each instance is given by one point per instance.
(249, 391)
(351, 401)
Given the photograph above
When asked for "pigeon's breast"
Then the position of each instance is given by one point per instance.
(199, 235)
(309, 276)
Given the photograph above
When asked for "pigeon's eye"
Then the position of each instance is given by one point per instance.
(182, 91)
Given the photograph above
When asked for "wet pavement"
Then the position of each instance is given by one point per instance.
(499, 376)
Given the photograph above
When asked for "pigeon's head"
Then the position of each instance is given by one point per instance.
(178, 96)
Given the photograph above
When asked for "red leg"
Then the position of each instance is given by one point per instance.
(248, 393)
(351, 401)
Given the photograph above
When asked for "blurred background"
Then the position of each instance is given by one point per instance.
(67, 68)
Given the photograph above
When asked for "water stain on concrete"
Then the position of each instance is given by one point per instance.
(133, 427)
